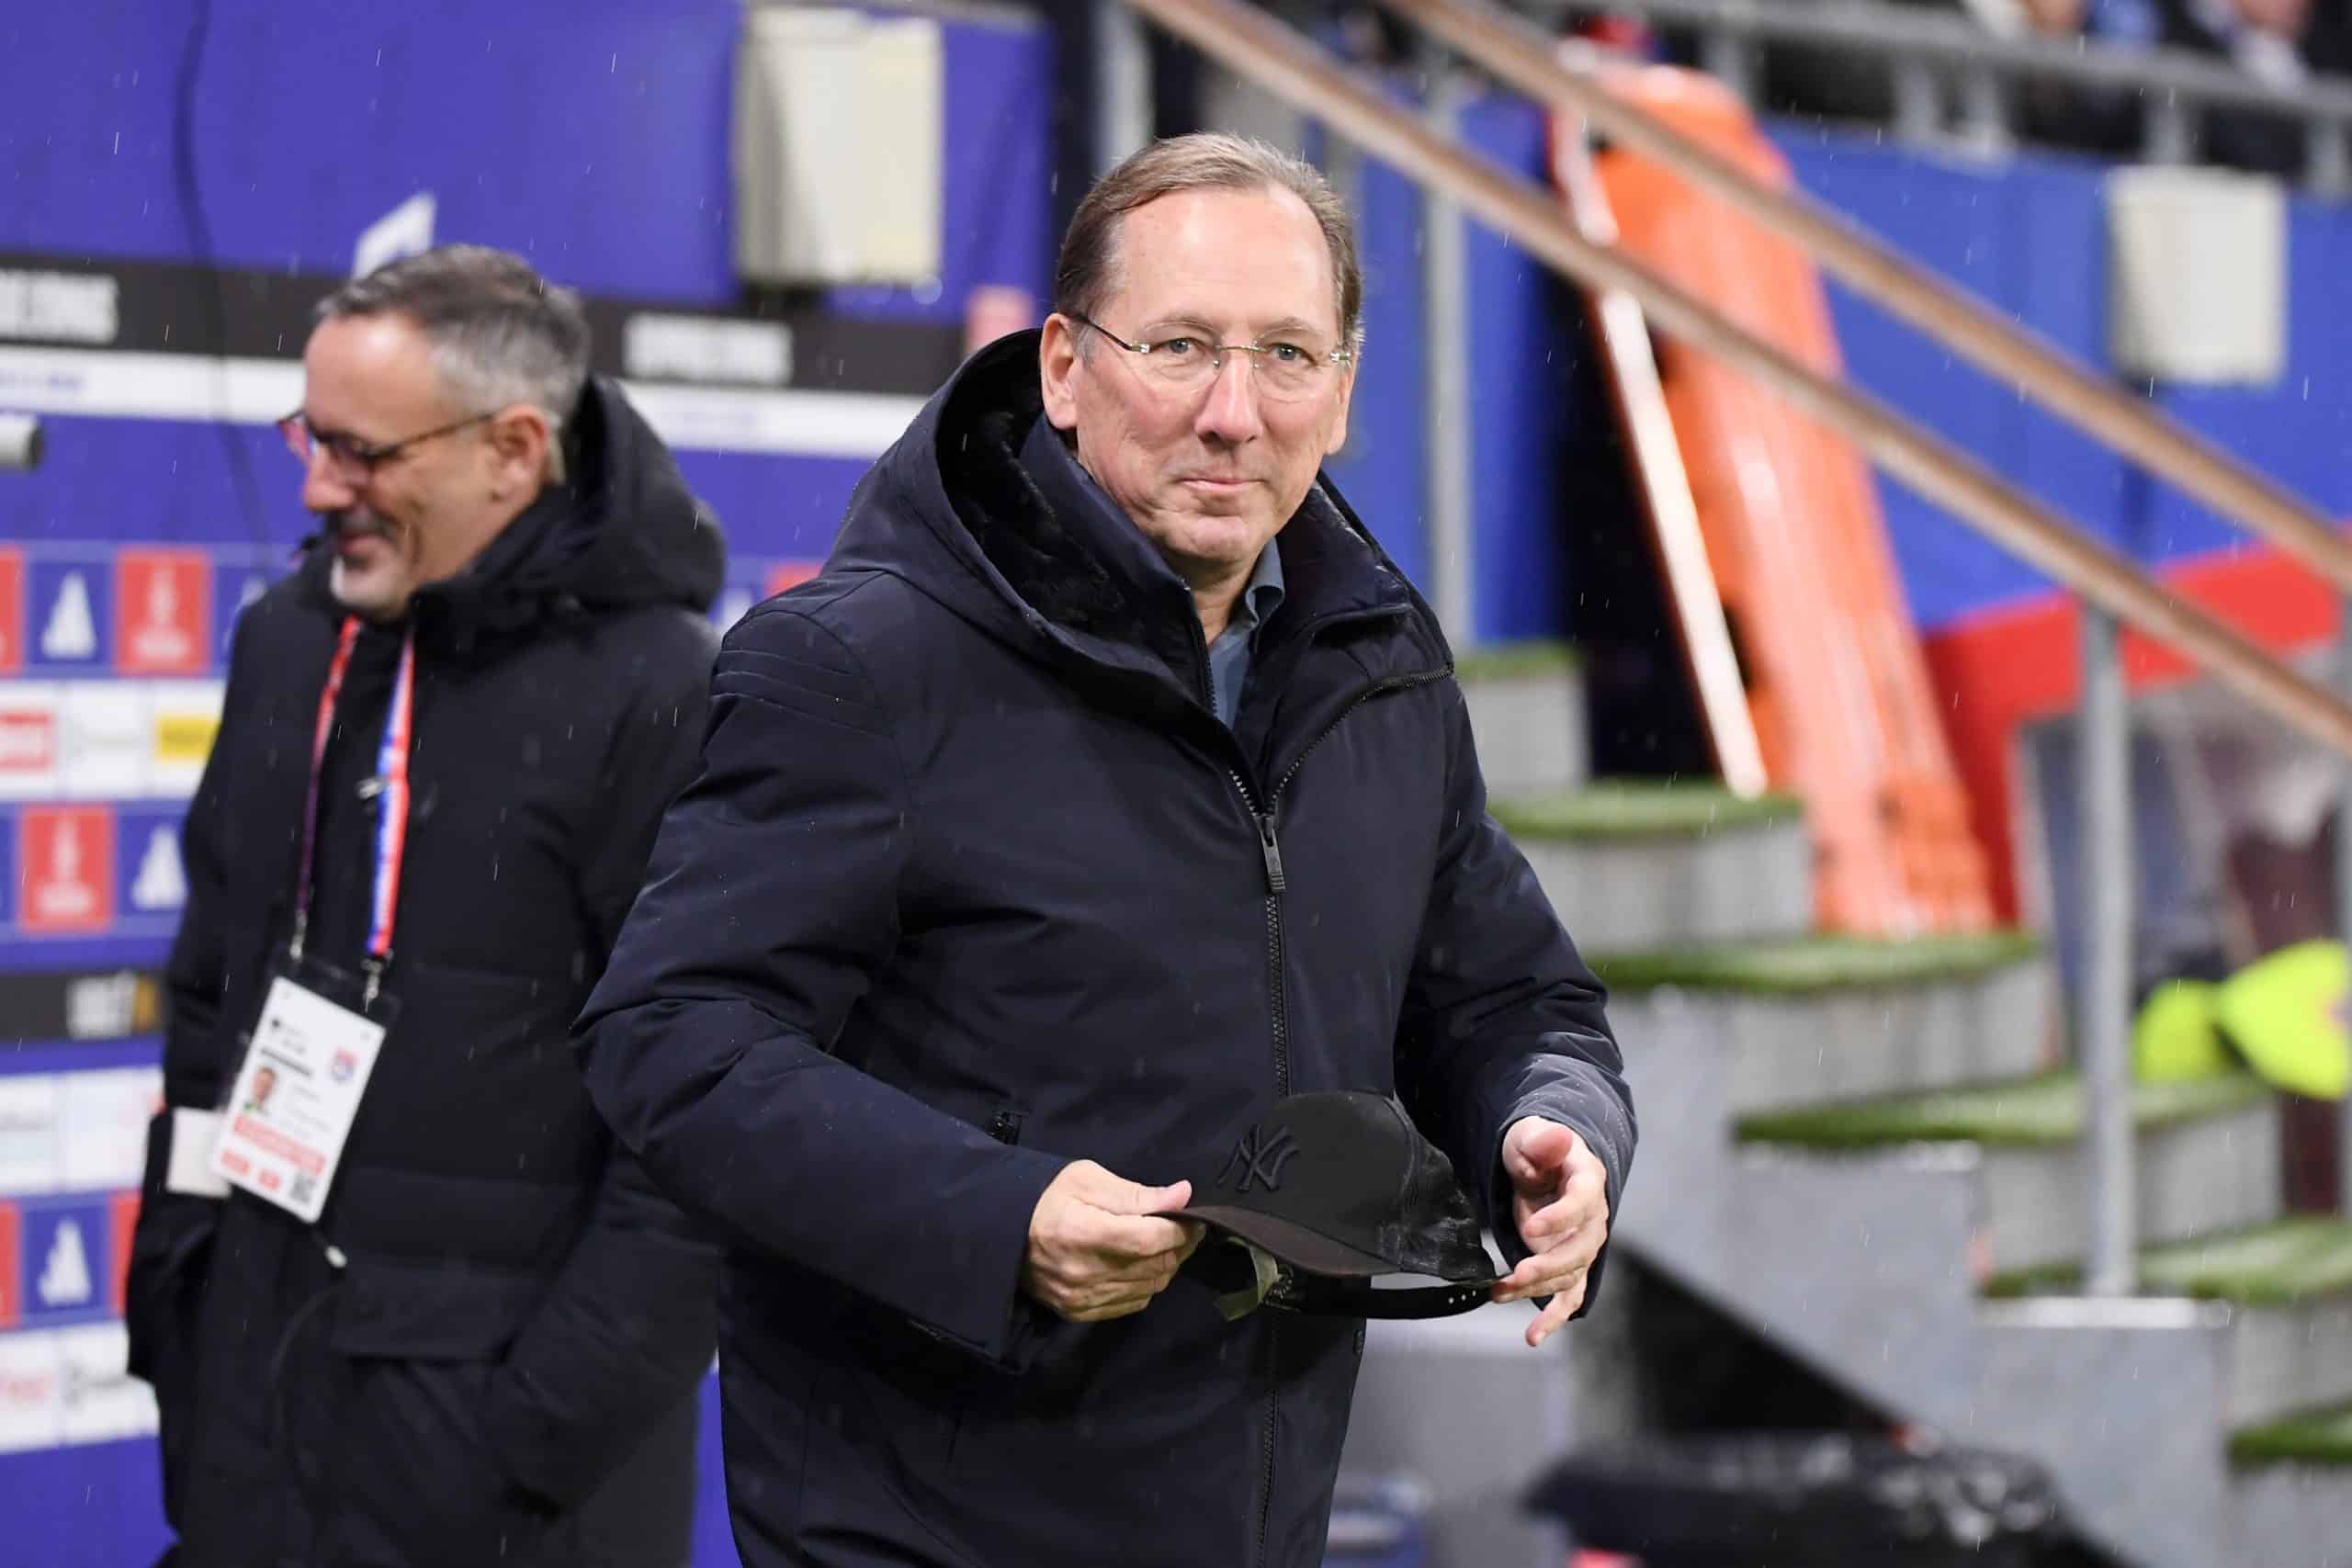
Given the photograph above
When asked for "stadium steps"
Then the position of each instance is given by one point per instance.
(1651, 864)
(1791, 1023)
(1871, 1152)
(2287, 1285)
(1527, 716)
(2208, 1157)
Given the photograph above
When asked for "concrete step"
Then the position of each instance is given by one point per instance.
(2289, 1288)
(2290, 1496)
(2208, 1155)
(1824, 1018)
(1527, 713)
(2284, 1511)
(1633, 865)
(2121, 1398)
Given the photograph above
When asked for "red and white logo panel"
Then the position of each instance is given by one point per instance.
(12, 612)
(122, 1212)
(12, 1250)
(163, 622)
(65, 869)
(31, 742)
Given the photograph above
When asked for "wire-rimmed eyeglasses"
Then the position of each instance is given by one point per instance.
(1287, 370)
(353, 460)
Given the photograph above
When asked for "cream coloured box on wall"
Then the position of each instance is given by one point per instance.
(837, 147)
(2197, 272)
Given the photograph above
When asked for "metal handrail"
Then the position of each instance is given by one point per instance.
(2175, 87)
(1522, 57)
(1954, 41)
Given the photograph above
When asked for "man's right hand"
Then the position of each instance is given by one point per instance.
(1094, 1250)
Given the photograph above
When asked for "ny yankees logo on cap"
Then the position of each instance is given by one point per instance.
(1260, 1158)
(1372, 1223)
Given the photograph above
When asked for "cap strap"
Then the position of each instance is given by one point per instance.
(1267, 1272)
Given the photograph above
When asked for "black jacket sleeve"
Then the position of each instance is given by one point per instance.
(1502, 1019)
(629, 1328)
(773, 900)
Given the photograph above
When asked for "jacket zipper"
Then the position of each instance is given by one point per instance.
(1270, 848)
(1273, 1413)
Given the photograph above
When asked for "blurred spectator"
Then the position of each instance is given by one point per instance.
(469, 1332)
(2327, 41)
(1822, 81)
(2078, 116)
(2282, 43)
(2264, 39)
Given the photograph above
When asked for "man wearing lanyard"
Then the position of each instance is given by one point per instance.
(424, 1311)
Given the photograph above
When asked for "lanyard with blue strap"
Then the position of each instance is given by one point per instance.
(391, 806)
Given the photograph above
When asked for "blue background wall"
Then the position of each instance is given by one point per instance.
(591, 137)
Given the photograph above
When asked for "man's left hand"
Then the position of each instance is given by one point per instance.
(1560, 1202)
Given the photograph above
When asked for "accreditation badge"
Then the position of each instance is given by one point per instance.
(290, 1111)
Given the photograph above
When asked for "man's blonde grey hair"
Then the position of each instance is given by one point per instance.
(500, 334)
(1087, 271)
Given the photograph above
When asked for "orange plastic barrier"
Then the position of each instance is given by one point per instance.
(1843, 710)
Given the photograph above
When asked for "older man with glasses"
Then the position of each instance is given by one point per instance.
(1108, 787)
(424, 1311)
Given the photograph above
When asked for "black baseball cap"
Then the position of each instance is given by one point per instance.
(1347, 1211)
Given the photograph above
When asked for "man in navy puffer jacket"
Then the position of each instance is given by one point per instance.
(1108, 785)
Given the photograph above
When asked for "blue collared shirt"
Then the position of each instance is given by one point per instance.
(1229, 654)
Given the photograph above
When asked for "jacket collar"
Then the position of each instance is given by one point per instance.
(1082, 572)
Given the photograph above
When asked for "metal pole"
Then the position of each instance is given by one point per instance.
(1918, 102)
(2103, 1002)
(2330, 170)
(2343, 911)
(1985, 95)
(2169, 128)
(1123, 116)
(1445, 403)
(1729, 58)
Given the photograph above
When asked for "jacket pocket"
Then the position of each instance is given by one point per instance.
(429, 1311)
(171, 1254)
(417, 1478)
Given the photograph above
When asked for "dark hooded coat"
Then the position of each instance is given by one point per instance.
(973, 883)
(503, 1368)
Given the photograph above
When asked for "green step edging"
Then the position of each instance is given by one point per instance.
(2285, 1263)
(2037, 1112)
(1514, 660)
(1631, 809)
(1812, 964)
(2320, 1436)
